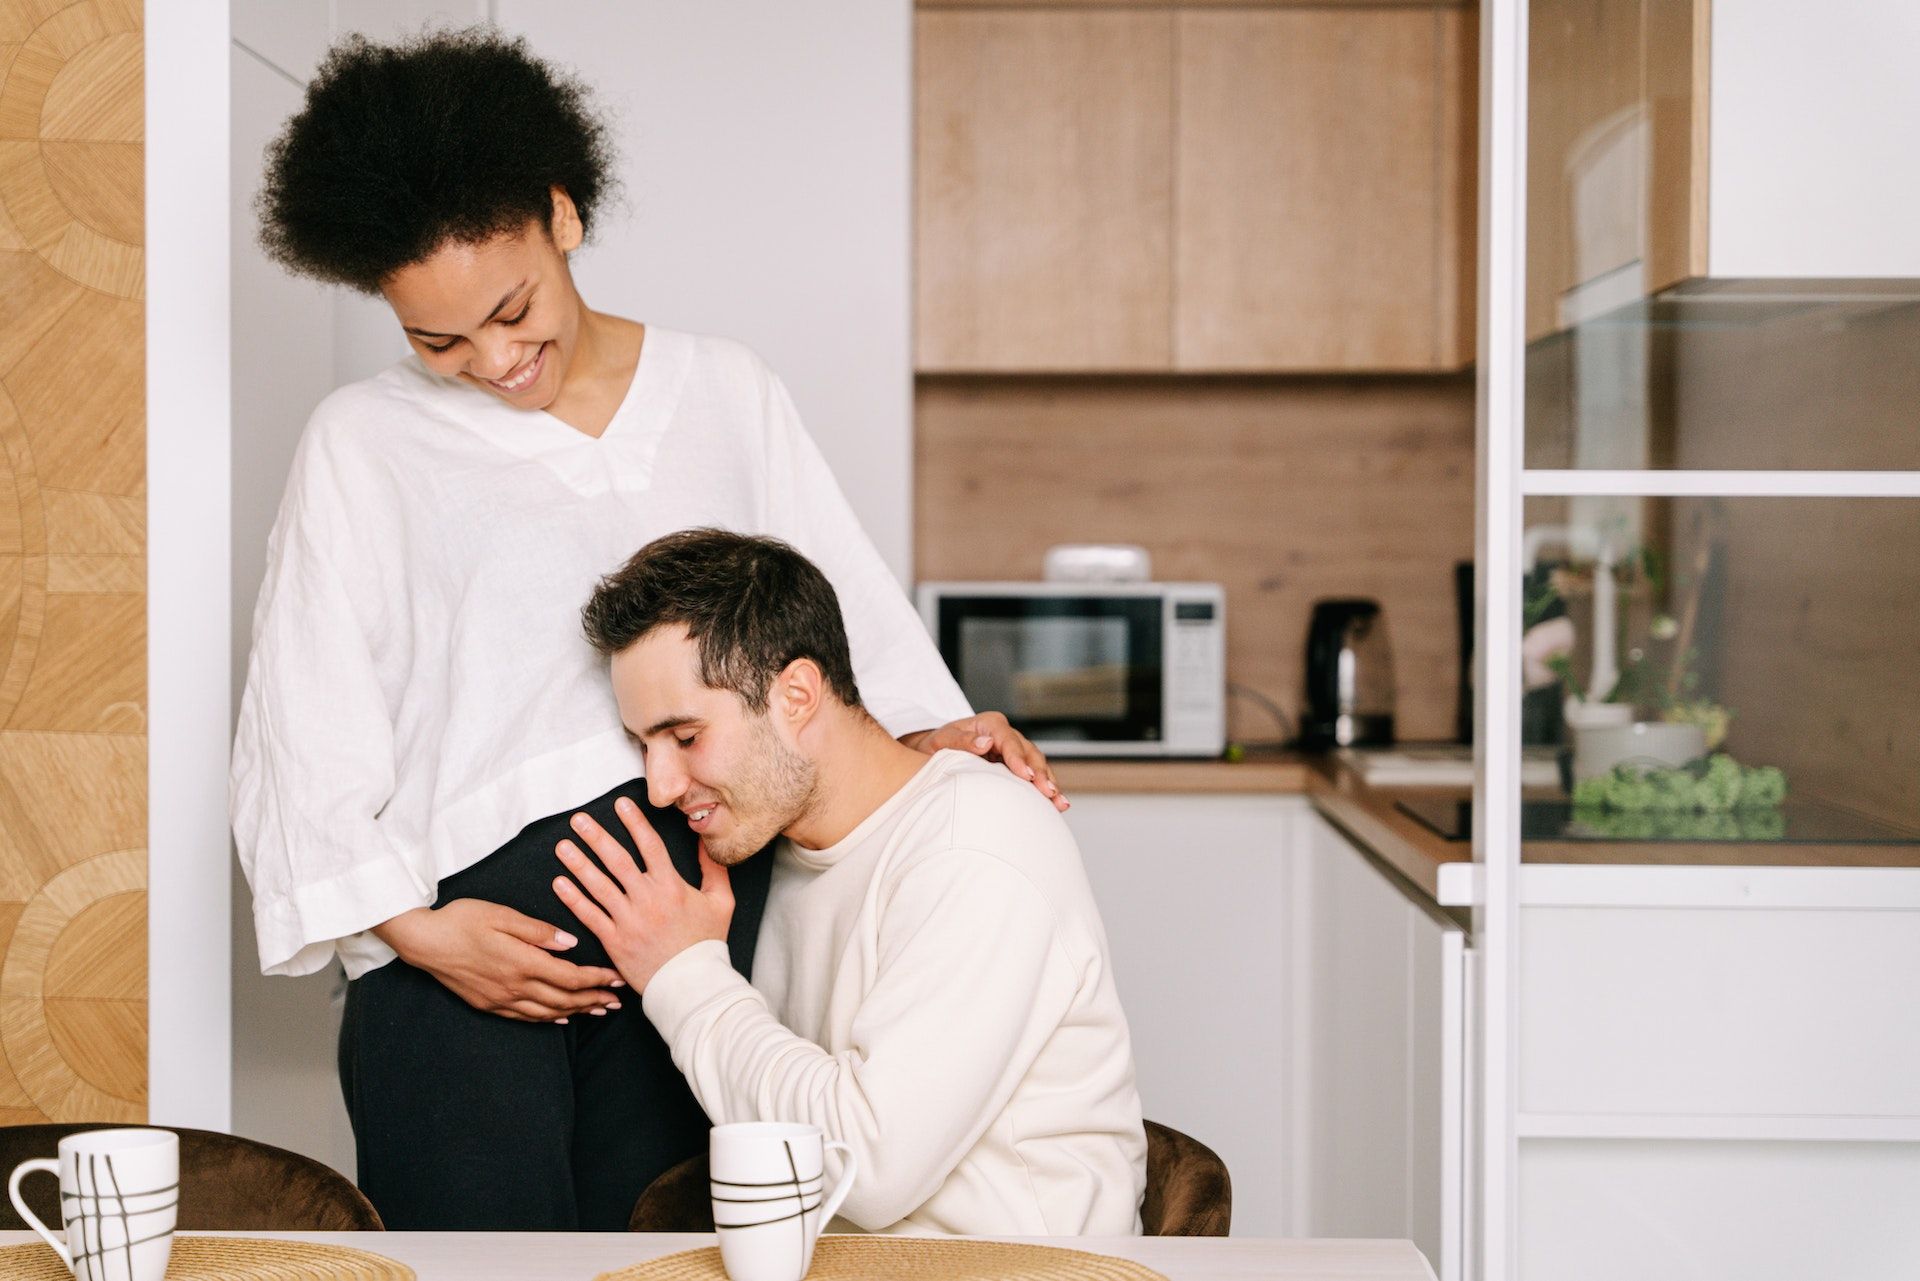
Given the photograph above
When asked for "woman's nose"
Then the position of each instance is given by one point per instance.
(493, 362)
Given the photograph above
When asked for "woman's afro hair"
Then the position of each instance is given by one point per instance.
(447, 137)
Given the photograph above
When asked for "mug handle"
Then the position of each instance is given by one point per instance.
(840, 1189)
(20, 1172)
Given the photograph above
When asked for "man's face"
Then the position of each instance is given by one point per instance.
(726, 767)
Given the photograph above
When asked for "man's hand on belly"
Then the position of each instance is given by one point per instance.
(643, 918)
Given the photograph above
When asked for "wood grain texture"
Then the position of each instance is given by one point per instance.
(72, 564)
(1043, 190)
(1317, 174)
(1585, 95)
(1818, 647)
(1457, 249)
(1285, 491)
(1678, 95)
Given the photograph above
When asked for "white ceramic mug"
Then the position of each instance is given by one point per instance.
(769, 1198)
(119, 1197)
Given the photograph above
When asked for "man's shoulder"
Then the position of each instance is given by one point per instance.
(976, 807)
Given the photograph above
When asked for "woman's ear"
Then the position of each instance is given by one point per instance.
(565, 227)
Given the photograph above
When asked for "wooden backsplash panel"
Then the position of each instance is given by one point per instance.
(73, 746)
(1286, 490)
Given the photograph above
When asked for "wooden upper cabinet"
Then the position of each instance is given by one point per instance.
(1043, 190)
(1323, 189)
(1616, 154)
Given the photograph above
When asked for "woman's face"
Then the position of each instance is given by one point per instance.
(502, 315)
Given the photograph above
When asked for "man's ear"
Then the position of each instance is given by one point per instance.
(565, 226)
(796, 694)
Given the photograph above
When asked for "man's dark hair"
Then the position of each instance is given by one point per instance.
(752, 605)
(447, 137)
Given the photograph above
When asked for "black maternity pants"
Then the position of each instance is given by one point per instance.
(467, 1120)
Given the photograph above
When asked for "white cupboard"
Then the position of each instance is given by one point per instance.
(1292, 1007)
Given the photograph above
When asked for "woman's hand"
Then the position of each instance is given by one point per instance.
(499, 960)
(989, 734)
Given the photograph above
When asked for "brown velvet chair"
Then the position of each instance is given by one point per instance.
(226, 1183)
(1188, 1192)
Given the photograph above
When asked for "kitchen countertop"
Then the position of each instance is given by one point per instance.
(1443, 870)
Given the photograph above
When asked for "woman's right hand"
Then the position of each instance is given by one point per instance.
(499, 960)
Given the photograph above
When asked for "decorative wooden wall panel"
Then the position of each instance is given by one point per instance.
(73, 749)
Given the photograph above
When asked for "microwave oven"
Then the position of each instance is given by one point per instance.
(1091, 669)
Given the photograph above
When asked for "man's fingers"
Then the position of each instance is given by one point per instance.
(715, 880)
(590, 913)
(613, 855)
(645, 839)
(589, 876)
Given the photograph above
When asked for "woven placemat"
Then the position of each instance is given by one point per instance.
(864, 1258)
(197, 1258)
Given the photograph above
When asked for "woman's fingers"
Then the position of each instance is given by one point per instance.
(1017, 752)
(530, 929)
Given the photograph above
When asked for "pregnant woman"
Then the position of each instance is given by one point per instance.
(422, 712)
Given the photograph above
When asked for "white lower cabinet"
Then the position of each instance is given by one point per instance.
(1719, 1091)
(1291, 1007)
(1380, 1042)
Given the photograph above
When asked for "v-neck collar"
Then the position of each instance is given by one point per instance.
(587, 463)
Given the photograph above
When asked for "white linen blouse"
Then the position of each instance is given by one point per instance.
(420, 688)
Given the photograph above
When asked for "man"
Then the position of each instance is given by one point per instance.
(932, 983)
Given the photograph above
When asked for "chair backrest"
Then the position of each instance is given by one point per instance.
(1188, 1192)
(226, 1183)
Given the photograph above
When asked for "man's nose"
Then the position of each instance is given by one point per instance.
(666, 782)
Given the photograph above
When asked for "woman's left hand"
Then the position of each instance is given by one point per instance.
(989, 734)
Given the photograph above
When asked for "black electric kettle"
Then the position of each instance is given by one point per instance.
(1349, 676)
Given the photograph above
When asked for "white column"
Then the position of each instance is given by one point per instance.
(189, 1077)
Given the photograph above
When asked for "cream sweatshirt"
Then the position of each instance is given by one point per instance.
(935, 991)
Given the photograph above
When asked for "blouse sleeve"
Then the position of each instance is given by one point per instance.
(313, 753)
(902, 680)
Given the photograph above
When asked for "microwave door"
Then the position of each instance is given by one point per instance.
(1080, 675)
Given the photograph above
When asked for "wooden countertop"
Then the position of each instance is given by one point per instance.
(1409, 850)
(1280, 774)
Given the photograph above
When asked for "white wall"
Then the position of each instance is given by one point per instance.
(1811, 169)
(767, 149)
(765, 159)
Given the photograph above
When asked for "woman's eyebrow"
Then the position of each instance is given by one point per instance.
(497, 309)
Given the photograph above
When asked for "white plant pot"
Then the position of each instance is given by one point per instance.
(1652, 744)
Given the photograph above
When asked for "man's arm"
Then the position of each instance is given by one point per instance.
(969, 983)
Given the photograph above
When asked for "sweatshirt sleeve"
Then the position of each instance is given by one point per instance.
(313, 753)
(902, 679)
(970, 982)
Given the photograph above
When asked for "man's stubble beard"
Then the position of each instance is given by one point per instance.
(776, 788)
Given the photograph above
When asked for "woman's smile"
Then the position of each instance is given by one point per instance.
(520, 379)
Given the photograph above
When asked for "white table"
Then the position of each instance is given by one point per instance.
(581, 1256)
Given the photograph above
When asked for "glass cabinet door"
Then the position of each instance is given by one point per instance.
(1698, 1050)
